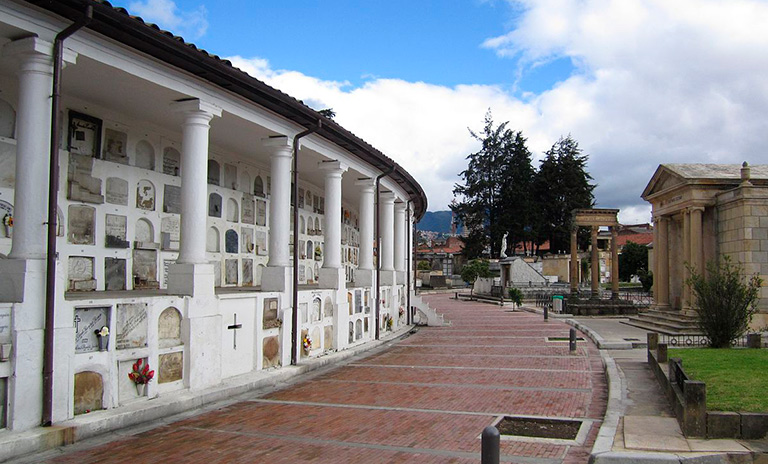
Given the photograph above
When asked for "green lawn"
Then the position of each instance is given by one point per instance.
(736, 378)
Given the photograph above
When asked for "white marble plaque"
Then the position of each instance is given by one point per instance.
(171, 161)
(261, 242)
(230, 271)
(172, 199)
(261, 213)
(117, 191)
(115, 226)
(87, 321)
(115, 144)
(80, 225)
(248, 211)
(145, 269)
(5, 325)
(80, 273)
(131, 326)
(169, 233)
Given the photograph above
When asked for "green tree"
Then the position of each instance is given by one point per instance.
(633, 257)
(474, 269)
(518, 214)
(724, 303)
(562, 184)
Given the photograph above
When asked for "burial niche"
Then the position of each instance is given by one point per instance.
(115, 146)
(114, 273)
(212, 240)
(171, 161)
(214, 205)
(7, 119)
(232, 210)
(316, 314)
(358, 329)
(214, 174)
(144, 235)
(80, 273)
(245, 181)
(81, 225)
(328, 307)
(89, 392)
(258, 187)
(169, 328)
(230, 176)
(145, 155)
(145, 195)
(117, 191)
(230, 241)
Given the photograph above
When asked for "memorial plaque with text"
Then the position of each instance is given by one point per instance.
(87, 322)
(230, 270)
(172, 199)
(170, 233)
(117, 191)
(115, 230)
(230, 241)
(171, 367)
(131, 325)
(81, 225)
(5, 325)
(248, 213)
(114, 274)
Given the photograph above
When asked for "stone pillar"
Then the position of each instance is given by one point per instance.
(697, 236)
(386, 237)
(686, 258)
(332, 273)
(191, 273)
(400, 245)
(574, 261)
(614, 262)
(661, 259)
(277, 277)
(364, 273)
(595, 263)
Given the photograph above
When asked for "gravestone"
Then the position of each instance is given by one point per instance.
(117, 191)
(171, 161)
(247, 240)
(248, 213)
(115, 145)
(230, 241)
(80, 273)
(81, 225)
(166, 267)
(271, 350)
(131, 327)
(230, 271)
(169, 328)
(145, 269)
(171, 199)
(358, 329)
(328, 338)
(358, 301)
(145, 195)
(260, 238)
(217, 273)
(171, 367)
(82, 186)
(269, 319)
(230, 176)
(232, 211)
(145, 156)
(214, 205)
(87, 321)
(328, 307)
(351, 337)
(6, 211)
(302, 274)
(316, 310)
(247, 272)
(84, 134)
(115, 231)
(365, 325)
(258, 186)
(261, 213)
(212, 240)
(170, 233)
(114, 274)
(214, 173)
(144, 235)
(5, 324)
(316, 337)
(89, 392)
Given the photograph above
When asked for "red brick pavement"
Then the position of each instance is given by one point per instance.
(425, 400)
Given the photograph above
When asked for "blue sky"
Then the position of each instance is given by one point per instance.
(636, 82)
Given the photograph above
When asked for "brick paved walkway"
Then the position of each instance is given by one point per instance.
(425, 400)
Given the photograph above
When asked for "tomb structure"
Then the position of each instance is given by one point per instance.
(175, 224)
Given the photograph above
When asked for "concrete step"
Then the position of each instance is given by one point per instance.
(662, 329)
(663, 319)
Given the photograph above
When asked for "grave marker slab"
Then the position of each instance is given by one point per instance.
(171, 199)
(145, 269)
(87, 322)
(115, 230)
(5, 325)
(145, 155)
(115, 146)
(247, 272)
(131, 327)
(230, 241)
(271, 350)
(81, 225)
(89, 391)
(260, 238)
(214, 205)
(230, 176)
(145, 195)
(114, 274)
(117, 191)
(230, 270)
(170, 233)
(248, 211)
(171, 161)
(80, 273)
(261, 213)
(166, 267)
(171, 367)
(82, 186)
(270, 320)
(327, 338)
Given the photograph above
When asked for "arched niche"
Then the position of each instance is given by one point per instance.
(233, 213)
(316, 310)
(145, 155)
(245, 181)
(171, 161)
(257, 274)
(214, 172)
(169, 327)
(212, 241)
(310, 249)
(302, 225)
(144, 231)
(231, 243)
(318, 230)
(358, 329)
(258, 186)
(7, 119)
(89, 392)
(214, 205)
(230, 176)
(328, 307)
(351, 331)
(145, 195)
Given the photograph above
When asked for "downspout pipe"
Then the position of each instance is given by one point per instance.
(295, 194)
(53, 193)
(378, 249)
(408, 261)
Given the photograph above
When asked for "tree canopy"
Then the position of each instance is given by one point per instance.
(632, 259)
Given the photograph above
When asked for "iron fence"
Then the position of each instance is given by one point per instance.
(695, 340)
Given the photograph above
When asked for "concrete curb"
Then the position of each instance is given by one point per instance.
(617, 394)
(18, 444)
(599, 341)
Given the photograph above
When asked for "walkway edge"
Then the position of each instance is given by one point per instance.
(599, 341)
(18, 444)
(617, 392)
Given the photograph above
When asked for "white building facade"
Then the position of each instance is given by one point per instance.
(175, 229)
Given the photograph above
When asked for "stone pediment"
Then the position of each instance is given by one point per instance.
(663, 180)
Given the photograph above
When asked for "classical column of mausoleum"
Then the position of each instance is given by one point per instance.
(277, 275)
(364, 274)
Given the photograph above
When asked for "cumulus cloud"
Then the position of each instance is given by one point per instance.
(191, 24)
(655, 82)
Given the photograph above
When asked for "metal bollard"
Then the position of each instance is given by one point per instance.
(546, 311)
(572, 341)
(490, 446)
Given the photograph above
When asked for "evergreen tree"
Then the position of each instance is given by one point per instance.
(518, 212)
(632, 259)
(561, 185)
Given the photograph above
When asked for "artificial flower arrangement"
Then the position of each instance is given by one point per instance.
(388, 322)
(102, 335)
(401, 312)
(8, 220)
(307, 343)
(141, 375)
(103, 332)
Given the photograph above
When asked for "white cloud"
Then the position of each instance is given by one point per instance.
(191, 24)
(656, 82)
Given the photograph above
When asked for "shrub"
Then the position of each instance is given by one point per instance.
(474, 269)
(724, 303)
(423, 266)
(516, 295)
(646, 279)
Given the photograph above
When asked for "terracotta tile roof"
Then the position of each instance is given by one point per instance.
(452, 245)
(640, 239)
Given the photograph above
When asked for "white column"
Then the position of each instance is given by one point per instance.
(364, 274)
(332, 273)
(400, 244)
(33, 143)
(194, 178)
(386, 237)
(277, 277)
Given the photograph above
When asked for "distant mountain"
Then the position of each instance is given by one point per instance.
(436, 221)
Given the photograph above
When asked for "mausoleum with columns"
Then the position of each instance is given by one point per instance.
(702, 212)
(178, 224)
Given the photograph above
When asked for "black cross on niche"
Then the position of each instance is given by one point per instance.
(234, 328)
